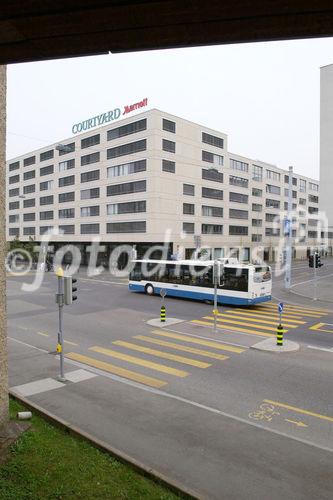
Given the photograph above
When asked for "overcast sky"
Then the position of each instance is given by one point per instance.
(265, 96)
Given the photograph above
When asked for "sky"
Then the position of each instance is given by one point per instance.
(265, 96)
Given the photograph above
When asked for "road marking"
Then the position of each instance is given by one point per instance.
(297, 310)
(37, 387)
(257, 321)
(320, 348)
(141, 362)
(318, 327)
(161, 354)
(244, 323)
(294, 314)
(309, 281)
(184, 348)
(269, 313)
(233, 328)
(70, 343)
(198, 341)
(28, 345)
(116, 370)
(43, 334)
(296, 422)
(265, 316)
(299, 410)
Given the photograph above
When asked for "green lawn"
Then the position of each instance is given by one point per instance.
(47, 463)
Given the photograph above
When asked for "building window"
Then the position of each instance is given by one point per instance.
(127, 149)
(293, 193)
(93, 140)
(14, 166)
(272, 217)
(238, 181)
(256, 173)
(130, 128)
(44, 186)
(29, 161)
(14, 231)
(46, 170)
(93, 175)
(14, 179)
(272, 231)
(312, 234)
(130, 207)
(188, 227)
(14, 218)
(48, 215)
(92, 211)
(91, 158)
(215, 194)
(256, 222)
(169, 166)
(286, 180)
(188, 208)
(126, 188)
(239, 165)
(238, 214)
(211, 229)
(293, 206)
(272, 189)
(302, 185)
(313, 222)
(67, 229)
(126, 227)
(272, 203)
(66, 165)
(45, 229)
(208, 211)
(256, 207)
(127, 168)
(29, 231)
(169, 126)
(14, 205)
(14, 192)
(88, 194)
(188, 189)
(238, 230)
(211, 175)
(29, 203)
(274, 176)
(313, 199)
(313, 187)
(217, 160)
(312, 210)
(46, 155)
(89, 229)
(29, 175)
(302, 201)
(67, 181)
(169, 146)
(63, 197)
(29, 217)
(257, 237)
(66, 148)
(212, 140)
(46, 200)
(238, 197)
(66, 213)
(29, 189)
(256, 192)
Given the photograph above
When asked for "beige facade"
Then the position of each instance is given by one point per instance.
(186, 183)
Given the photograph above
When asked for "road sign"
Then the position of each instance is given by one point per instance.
(163, 293)
(280, 307)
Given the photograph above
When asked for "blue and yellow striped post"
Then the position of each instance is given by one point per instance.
(279, 335)
(163, 314)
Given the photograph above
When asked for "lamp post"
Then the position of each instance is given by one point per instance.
(288, 232)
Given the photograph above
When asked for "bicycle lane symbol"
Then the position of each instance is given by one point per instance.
(266, 411)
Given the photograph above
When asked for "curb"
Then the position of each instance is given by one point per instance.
(152, 474)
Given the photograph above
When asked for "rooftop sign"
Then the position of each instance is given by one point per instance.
(107, 117)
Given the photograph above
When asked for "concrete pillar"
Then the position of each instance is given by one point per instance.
(3, 324)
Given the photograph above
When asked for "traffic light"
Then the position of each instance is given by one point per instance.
(317, 260)
(69, 290)
(311, 260)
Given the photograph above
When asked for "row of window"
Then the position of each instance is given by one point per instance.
(111, 227)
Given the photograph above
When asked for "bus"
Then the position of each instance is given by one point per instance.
(237, 283)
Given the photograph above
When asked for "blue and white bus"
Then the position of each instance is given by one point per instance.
(239, 284)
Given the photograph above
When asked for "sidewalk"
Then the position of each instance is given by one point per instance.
(199, 449)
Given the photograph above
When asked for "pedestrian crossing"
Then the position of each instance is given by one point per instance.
(154, 352)
(261, 320)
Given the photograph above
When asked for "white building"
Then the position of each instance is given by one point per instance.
(133, 180)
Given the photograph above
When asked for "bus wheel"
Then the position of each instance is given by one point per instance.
(149, 289)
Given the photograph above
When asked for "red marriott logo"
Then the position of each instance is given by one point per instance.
(137, 105)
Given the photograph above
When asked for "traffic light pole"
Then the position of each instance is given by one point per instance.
(315, 282)
(60, 302)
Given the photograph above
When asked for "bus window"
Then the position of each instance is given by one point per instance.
(204, 276)
(261, 274)
(235, 279)
(135, 274)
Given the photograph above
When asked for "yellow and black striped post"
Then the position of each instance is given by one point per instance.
(279, 335)
(163, 314)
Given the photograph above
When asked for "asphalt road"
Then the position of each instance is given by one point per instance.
(205, 409)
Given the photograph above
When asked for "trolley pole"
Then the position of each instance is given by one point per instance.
(60, 302)
(215, 269)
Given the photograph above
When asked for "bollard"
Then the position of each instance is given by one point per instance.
(163, 314)
(279, 335)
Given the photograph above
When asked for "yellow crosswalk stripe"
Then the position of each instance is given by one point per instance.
(266, 312)
(257, 321)
(162, 354)
(233, 328)
(195, 340)
(242, 323)
(297, 310)
(302, 308)
(265, 316)
(292, 314)
(116, 370)
(141, 362)
(184, 348)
